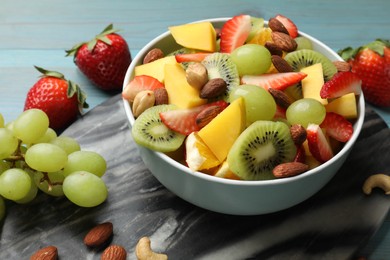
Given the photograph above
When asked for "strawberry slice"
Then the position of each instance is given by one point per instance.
(319, 146)
(235, 32)
(184, 120)
(290, 25)
(337, 126)
(140, 83)
(191, 57)
(278, 81)
(342, 83)
(300, 155)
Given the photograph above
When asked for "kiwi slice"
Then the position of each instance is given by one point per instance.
(219, 65)
(259, 148)
(149, 131)
(304, 58)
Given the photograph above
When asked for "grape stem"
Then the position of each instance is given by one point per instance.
(49, 182)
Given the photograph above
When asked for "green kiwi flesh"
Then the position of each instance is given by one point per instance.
(259, 148)
(149, 131)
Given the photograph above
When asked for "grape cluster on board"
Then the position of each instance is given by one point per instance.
(33, 158)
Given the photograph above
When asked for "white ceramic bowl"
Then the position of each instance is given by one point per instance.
(234, 196)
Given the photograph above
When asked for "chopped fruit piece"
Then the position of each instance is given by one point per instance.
(301, 154)
(235, 32)
(199, 36)
(155, 69)
(341, 84)
(262, 37)
(290, 25)
(179, 91)
(191, 57)
(278, 81)
(312, 84)
(337, 126)
(138, 84)
(345, 106)
(220, 134)
(318, 144)
(224, 171)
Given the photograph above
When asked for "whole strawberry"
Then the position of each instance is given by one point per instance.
(104, 60)
(59, 98)
(371, 63)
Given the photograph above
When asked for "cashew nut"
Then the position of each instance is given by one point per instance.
(377, 181)
(144, 251)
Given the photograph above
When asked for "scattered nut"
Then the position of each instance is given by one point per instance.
(206, 115)
(281, 98)
(273, 48)
(342, 65)
(46, 253)
(276, 26)
(196, 75)
(144, 251)
(379, 180)
(153, 55)
(114, 252)
(142, 101)
(298, 134)
(289, 169)
(284, 41)
(98, 235)
(213, 88)
(281, 64)
(161, 96)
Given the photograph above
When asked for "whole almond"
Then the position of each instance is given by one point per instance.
(281, 98)
(46, 253)
(99, 235)
(273, 49)
(114, 252)
(298, 134)
(276, 26)
(153, 55)
(213, 88)
(342, 65)
(281, 64)
(160, 96)
(284, 41)
(289, 169)
(206, 115)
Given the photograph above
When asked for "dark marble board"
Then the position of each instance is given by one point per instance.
(333, 224)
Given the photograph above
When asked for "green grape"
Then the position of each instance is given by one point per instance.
(259, 104)
(55, 178)
(85, 189)
(14, 184)
(46, 157)
(305, 111)
(303, 43)
(32, 192)
(4, 166)
(8, 143)
(85, 161)
(31, 125)
(2, 208)
(49, 135)
(251, 59)
(69, 144)
(1, 120)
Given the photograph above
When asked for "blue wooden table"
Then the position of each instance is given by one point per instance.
(38, 32)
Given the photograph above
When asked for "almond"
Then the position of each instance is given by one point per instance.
(153, 55)
(298, 134)
(281, 64)
(114, 252)
(281, 98)
(284, 41)
(160, 96)
(289, 169)
(276, 26)
(98, 235)
(213, 88)
(206, 115)
(46, 253)
(342, 65)
(273, 49)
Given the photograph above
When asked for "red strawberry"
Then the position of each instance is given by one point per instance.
(319, 146)
(341, 83)
(337, 126)
(288, 24)
(235, 32)
(184, 120)
(300, 155)
(191, 57)
(140, 83)
(59, 98)
(371, 63)
(104, 60)
(278, 81)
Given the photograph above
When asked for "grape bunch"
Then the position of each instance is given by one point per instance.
(33, 158)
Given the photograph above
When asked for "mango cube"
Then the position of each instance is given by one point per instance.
(312, 84)
(344, 105)
(155, 69)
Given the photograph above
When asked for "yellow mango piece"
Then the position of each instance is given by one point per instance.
(312, 84)
(180, 93)
(220, 134)
(200, 36)
(155, 69)
(224, 171)
(262, 37)
(344, 105)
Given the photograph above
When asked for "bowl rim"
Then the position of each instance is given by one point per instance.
(358, 124)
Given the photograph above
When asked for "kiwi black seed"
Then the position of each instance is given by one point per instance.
(262, 146)
(219, 65)
(149, 131)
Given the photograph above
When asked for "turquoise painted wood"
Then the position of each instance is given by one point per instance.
(38, 32)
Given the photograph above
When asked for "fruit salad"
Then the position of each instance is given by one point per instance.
(252, 100)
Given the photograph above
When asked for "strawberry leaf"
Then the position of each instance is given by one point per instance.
(49, 73)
